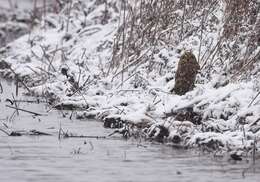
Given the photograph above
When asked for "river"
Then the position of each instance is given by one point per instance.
(48, 158)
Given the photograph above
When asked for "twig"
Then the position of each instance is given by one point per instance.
(4, 131)
(60, 130)
(121, 84)
(255, 122)
(69, 8)
(121, 110)
(131, 64)
(15, 104)
(18, 79)
(254, 152)
(47, 72)
(183, 19)
(1, 88)
(254, 99)
(83, 136)
(16, 87)
(47, 57)
(29, 101)
(31, 112)
(81, 87)
(21, 133)
(35, 132)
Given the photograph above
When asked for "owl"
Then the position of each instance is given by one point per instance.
(185, 76)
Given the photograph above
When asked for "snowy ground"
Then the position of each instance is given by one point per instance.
(67, 58)
(18, 17)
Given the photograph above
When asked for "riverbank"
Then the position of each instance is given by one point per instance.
(18, 18)
(79, 60)
(38, 157)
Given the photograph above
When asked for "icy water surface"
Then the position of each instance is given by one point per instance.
(48, 159)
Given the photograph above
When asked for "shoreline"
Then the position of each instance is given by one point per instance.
(218, 114)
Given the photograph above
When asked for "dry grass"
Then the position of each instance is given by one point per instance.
(148, 25)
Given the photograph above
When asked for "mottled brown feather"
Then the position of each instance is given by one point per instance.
(187, 70)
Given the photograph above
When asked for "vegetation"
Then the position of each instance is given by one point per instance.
(116, 61)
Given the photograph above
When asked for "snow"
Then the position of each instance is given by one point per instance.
(137, 94)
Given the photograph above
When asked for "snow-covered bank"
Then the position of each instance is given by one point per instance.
(114, 62)
(12, 25)
(18, 18)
